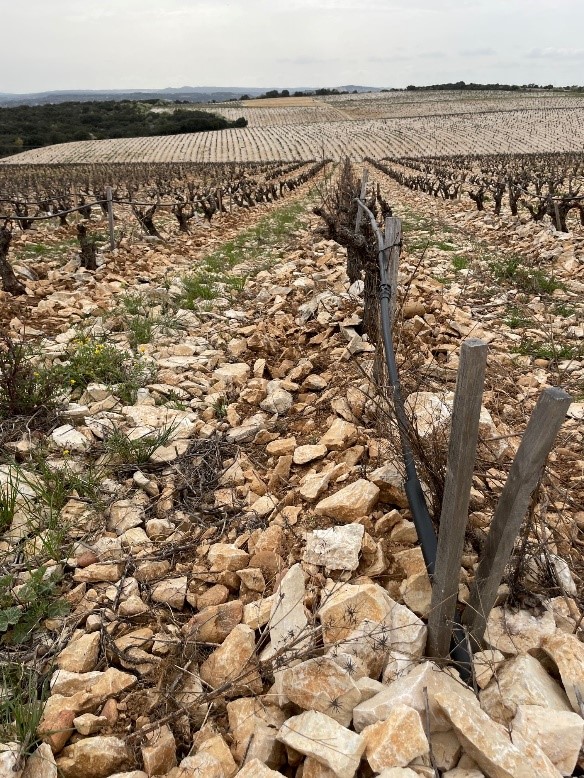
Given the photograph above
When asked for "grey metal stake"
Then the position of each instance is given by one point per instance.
(110, 216)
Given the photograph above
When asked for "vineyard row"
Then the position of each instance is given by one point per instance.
(201, 190)
(541, 184)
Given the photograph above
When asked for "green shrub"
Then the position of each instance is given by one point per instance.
(95, 361)
(24, 693)
(125, 450)
(27, 388)
(24, 608)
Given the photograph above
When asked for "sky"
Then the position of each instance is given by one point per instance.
(151, 44)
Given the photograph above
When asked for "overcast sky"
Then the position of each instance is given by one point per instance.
(120, 44)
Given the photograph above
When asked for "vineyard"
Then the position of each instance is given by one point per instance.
(188, 191)
(231, 433)
(372, 125)
(540, 184)
(394, 105)
(386, 105)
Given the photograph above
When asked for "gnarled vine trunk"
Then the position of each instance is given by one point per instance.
(10, 282)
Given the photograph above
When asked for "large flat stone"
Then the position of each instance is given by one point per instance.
(486, 742)
(411, 690)
(354, 501)
(568, 654)
(559, 734)
(234, 663)
(94, 757)
(345, 606)
(336, 548)
(396, 741)
(314, 734)
(320, 684)
(521, 681)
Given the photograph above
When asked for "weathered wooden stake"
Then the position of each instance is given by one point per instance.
(110, 216)
(542, 428)
(454, 516)
(557, 215)
(393, 237)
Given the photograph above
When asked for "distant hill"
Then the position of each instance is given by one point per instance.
(353, 88)
(187, 93)
(191, 94)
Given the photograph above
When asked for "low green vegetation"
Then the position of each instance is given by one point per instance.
(93, 360)
(27, 387)
(516, 319)
(551, 350)
(460, 262)
(27, 127)
(213, 278)
(24, 607)
(143, 317)
(124, 450)
(564, 309)
(47, 250)
(23, 697)
(511, 269)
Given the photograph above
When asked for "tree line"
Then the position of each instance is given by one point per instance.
(28, 127)
(463, 86)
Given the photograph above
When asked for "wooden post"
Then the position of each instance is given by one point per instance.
(557, 215)
(542, 428)
(454, 516)
(219, 199)
(110, 216)
(362, 194)
(393, 237)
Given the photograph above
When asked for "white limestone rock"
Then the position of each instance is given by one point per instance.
(314, 734)
(350, 503)
(336, 548)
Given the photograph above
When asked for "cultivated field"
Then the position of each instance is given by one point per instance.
(207, 550)
(372, 125)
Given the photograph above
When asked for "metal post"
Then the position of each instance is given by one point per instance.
(110, 216)
(393, 239)
(364, 178)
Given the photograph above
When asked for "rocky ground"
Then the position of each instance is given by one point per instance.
(245, 591)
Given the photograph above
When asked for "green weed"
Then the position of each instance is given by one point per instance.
(220, 408)
(552, 351)
(564, 309)
(55, 486)
(8, 500)
(124, 450)
(95, 361)
(23, 697)
(27, 388)
(40, 250)
(202, 285)
(529, 281)
(516, 318)
(459, 262)
(505, 269)
(538, 282)
(24, 607)
(141, 318)
(197, 286)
